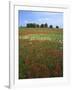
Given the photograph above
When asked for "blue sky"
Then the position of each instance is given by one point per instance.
(51, 18)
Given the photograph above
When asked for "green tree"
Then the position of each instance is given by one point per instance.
(57, 26)
(51, 26)
(42, 25)
(37, 25)
(46, 25)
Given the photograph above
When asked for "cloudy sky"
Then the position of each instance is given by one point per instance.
(51, 18)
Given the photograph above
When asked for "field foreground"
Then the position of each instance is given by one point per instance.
(40, 53)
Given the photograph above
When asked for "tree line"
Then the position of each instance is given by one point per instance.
(34, 25)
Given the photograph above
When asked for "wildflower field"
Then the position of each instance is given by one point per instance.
(40, 53)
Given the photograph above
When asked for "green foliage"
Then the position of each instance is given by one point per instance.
(34, 25)
(23, 69)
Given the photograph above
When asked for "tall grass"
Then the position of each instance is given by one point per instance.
(40, 58)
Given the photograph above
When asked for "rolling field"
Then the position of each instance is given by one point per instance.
(40, 53)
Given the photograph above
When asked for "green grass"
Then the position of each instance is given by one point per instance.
(50, 37)
(41, 54)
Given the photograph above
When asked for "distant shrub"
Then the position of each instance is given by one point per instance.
(34, 25)
(31, 25)
(42, 25)
(46, 25)
(57, 26)
(37, 26)
(51, 26)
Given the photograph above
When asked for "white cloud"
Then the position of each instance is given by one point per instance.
(43, 19)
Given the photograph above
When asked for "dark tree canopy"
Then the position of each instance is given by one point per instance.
(34, 25)
(57, 26)
(37, 26)
(46, 25)
(51, 26)
(42, 25)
